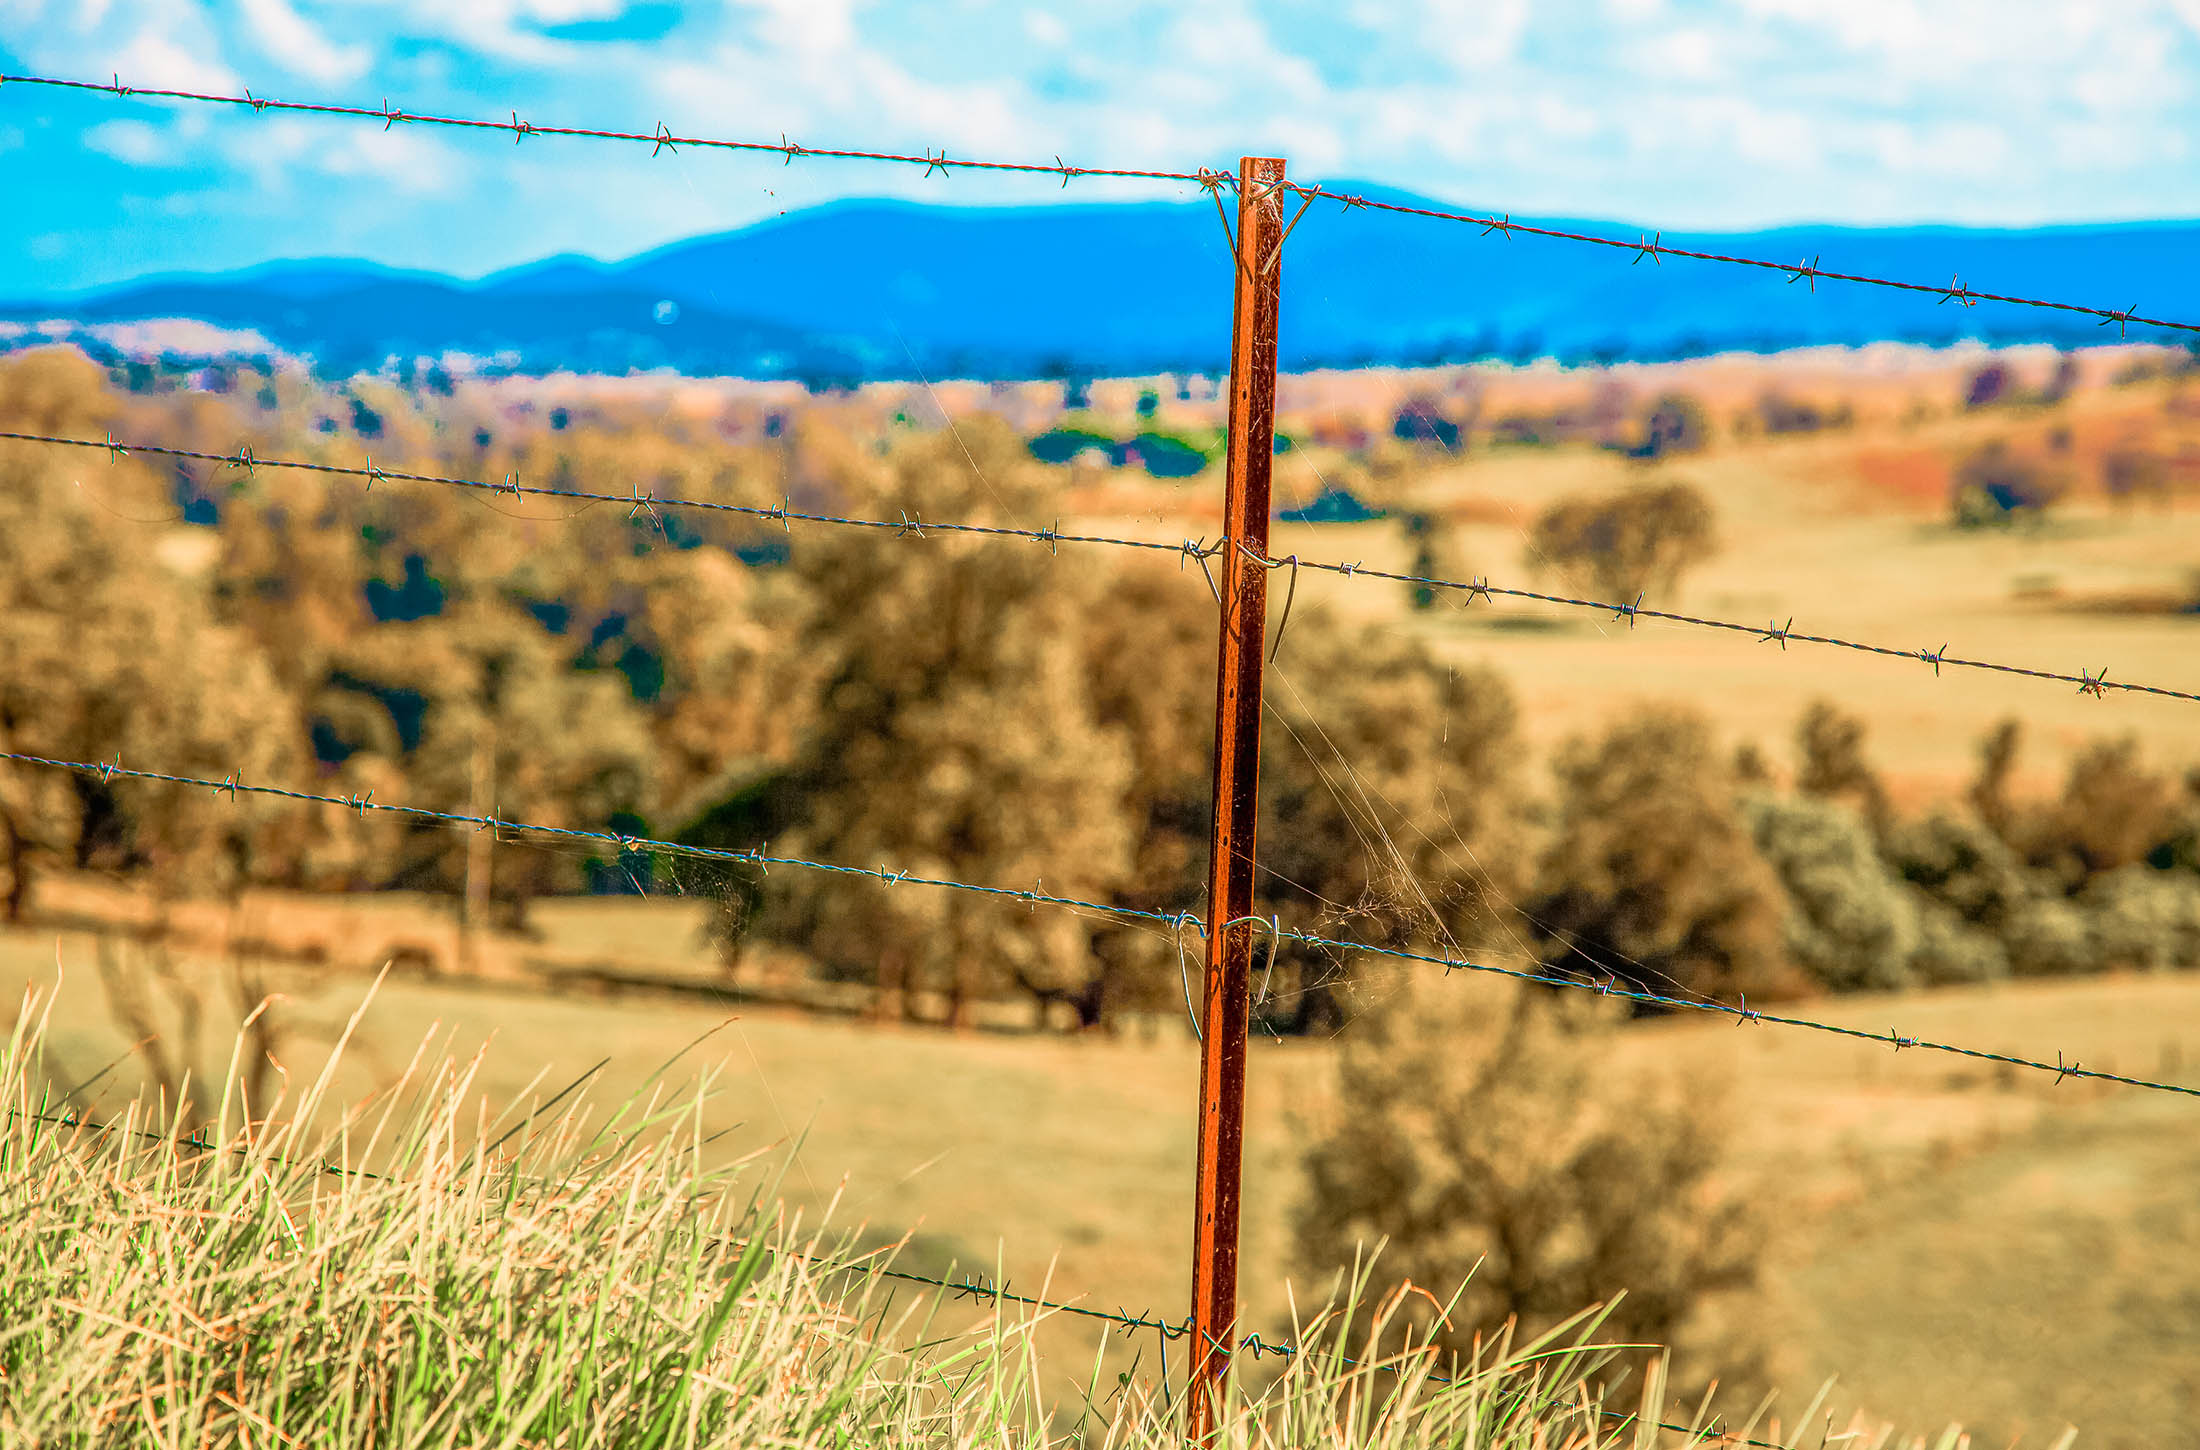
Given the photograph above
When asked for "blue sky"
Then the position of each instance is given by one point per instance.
(1666, 113)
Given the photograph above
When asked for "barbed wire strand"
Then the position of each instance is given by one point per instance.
(1742, 1013)
(659, 140)
(1650, 245)
(784, 514)
(977, 1288)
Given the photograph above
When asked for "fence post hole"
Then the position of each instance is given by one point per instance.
(1244, 586)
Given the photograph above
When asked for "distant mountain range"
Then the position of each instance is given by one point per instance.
(871, 289)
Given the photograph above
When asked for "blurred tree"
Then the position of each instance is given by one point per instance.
(2131, 471)
(1623, 545)
(1988, 384)
(1676, 423)
(1391, 807)
(1653, 879)
(1830, 744)
(956, 737)
(1995, 484)
(107, 653)
(2113, 812)
(1486, 1141)
(563, 749)
(1989, 789)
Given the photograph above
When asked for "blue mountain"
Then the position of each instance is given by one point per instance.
(870, 289)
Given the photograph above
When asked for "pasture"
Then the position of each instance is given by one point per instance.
(1959, 1243)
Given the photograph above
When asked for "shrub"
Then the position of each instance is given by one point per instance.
(1622, 545)
(1960, 863)
(1850, 922)
(1482, 1138)
(2145, 919)
(1950, 952)
(2049, 936)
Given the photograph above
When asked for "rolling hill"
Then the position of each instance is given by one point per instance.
(868, 289)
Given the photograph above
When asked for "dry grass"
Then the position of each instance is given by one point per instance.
(1070, 1161)
(303, 1271)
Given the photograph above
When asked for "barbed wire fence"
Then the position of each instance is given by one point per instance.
(1230, 551)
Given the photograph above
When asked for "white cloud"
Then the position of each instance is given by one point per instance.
(277, 151)
(294, 43)
(140, 143)
(154, 58)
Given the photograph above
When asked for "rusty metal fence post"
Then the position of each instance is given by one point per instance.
(1244, 589)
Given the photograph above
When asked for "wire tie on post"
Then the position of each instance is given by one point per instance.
(1229, 235)
(1183, 973)
(1289, 594)
(1307, 196)
(1275, 949)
